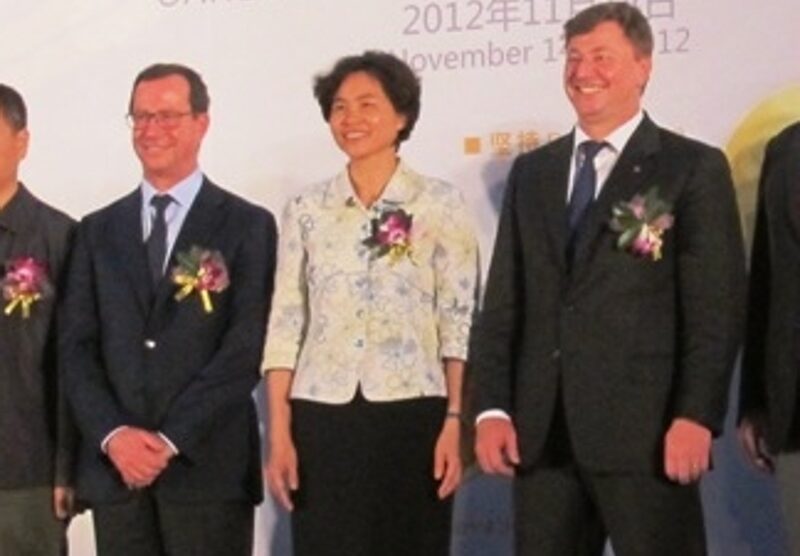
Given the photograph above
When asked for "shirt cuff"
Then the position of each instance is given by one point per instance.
(169, 443)
(278, 360)
(107, 439)
(492, 414)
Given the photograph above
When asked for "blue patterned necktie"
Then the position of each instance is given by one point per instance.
(583, 189)
(157, 240)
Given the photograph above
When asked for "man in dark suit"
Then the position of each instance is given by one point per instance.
(36, 432)
(612, 315)
(164, 318)
(770, 392)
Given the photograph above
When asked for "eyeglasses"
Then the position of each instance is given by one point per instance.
(166, 119)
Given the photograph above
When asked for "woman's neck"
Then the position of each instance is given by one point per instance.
(370, 176)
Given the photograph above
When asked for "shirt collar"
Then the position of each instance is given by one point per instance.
(16, 213)
(618, 138)
(182, 193)
(403, 186)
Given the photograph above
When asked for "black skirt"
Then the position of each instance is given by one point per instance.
(366, 479)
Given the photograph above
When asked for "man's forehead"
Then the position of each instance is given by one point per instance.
(171, 81)
(163, 87)
(605, 38)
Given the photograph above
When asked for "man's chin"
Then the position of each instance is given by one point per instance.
(589, 116)
(153, 165)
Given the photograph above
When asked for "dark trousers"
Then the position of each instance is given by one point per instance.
(148, 526)
(788, 479)
(28, 526)
(564, 509)
(366, 479)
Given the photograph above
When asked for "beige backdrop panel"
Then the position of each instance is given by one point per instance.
(491, 74)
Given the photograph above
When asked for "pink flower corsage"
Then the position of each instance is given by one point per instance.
(391, 235)
(641, 223)
(24, 284)
(201, 271)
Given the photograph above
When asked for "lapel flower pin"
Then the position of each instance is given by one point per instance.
(24, 284)
(641, 223)
(391, 235)
(202, 271)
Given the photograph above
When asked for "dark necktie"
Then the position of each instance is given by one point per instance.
(583, 189)
(157, 241)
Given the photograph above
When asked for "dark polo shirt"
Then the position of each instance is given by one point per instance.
(36, 435)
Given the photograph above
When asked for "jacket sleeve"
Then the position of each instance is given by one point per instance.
(495, 331)
(93, 404)
(711, 275)
(752, 389)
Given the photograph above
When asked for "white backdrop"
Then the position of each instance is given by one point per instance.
(725, 71)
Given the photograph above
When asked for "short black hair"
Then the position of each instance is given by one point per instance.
(13, 108)
(397, 79)
(633, 23)
(199, 100)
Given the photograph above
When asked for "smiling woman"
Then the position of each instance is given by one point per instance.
(367, 340)
(74, 63)
(364, 122)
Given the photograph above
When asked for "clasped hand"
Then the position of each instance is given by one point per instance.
(139, 455)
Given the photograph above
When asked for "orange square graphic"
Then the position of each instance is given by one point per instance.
(472, 145)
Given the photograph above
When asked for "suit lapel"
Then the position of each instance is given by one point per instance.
(555, 176)
(203, 219)
(631, 174)
(127, 235)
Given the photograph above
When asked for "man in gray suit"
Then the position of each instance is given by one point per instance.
(36, 433)
(612, 315)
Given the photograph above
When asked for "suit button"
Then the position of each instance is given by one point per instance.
(570, 308)
(555, 355)
(150, 344)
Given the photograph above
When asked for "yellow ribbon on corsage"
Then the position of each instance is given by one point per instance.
(24, 283)
(188, 285)
(24, 302)
(202, 271)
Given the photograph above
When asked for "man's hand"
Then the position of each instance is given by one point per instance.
(447, 459)
(281, 470)
(496, 446)
(63, 502)
(687, 451)
(751, 438)
(139, 455)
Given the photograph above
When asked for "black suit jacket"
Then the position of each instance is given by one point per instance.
(772, 349)
(632, 342)
(36, 432)
(134, 356)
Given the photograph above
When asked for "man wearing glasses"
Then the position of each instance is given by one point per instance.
(164, 318)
